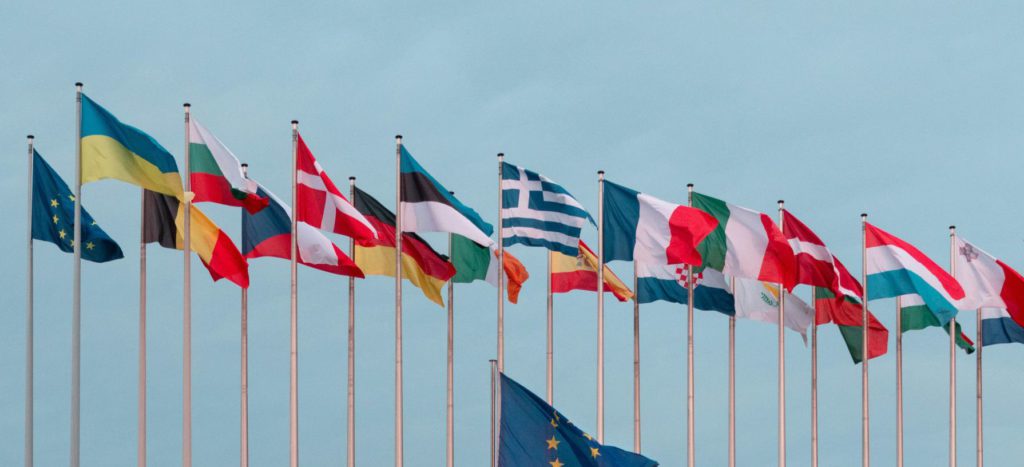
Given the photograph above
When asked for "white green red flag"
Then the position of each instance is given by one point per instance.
(216, 175)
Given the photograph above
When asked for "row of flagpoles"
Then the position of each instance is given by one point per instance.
(404, 164)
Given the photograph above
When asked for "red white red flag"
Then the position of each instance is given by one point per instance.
(817, 265)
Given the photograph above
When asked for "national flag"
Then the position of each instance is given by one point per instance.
(847, 314)
(759, 301)
(915, 315)
(321, 204)
(163, 220)
(474, 262)
(421, 265)
(427, 206)
(988, 282)
(711, 290)
(539, 212)
(580, 273)
(53, 217)
(533, 433)
(816, 265)
(895, 267)
(215, 173)
(268, 233)
(111, 149)
(997, 327)
(746, 244)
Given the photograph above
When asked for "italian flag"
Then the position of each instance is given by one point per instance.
(746, 244)
(216, 174)
(915, 315)
(474, 262)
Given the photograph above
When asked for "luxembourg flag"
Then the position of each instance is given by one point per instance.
(897, 268)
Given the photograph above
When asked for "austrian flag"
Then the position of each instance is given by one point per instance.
(320, 203)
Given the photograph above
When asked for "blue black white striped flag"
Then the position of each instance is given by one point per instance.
(539, 212)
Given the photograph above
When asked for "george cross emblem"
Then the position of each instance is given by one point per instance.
(969, 252)
(683, 279)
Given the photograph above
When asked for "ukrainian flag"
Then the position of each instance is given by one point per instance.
(111, 149)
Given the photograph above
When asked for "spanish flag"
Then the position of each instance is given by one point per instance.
(421, 265)
(111, 149)
(580, 273)
(163, 220)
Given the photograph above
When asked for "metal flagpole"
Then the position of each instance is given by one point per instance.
(864, 354)
(600, 306)
(399, 442)
(186, 451)
(76, 309)
(782, 359)
(814, 381)
(293, 380)
(551, 338)
(244, 436)
(636, 366)
(952, 356)
(495, 432)
(142, 336)
(450, 391)
(979, 407)
(899, 381)
(29, 318)
(351, 400)
(690, 446)
(501, 270)
(732, 382)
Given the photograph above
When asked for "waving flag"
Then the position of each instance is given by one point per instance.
(848, 315)
(896, 268)
(474, 262)
(816, 266)
(580, 273)
(538, 212)
(427, 206)
(215, 173)
(533, 433)
(915, 315)
(997, 327)
(759, 301)
(988, 282)
(268, 233)
(321, 205)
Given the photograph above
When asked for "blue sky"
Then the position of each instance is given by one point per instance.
(909, 111)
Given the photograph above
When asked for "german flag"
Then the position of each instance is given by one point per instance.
(163, 222)
(421, 265)
(580, 273)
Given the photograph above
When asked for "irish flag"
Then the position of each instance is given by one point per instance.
(474, 262)
(897, 268)
(216, 174)
(988, 282)
(746, 244)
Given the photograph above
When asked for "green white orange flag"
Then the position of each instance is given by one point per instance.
(216, 174)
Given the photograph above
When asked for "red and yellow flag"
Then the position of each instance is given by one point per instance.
(580, 273)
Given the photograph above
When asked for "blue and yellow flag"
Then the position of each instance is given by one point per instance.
(534, 433)
(53, 217)
(111, 149)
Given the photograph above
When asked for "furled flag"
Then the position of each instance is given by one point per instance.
(580, 273)
(321, 204)
(163, 220)
(538, 212)
(53, 217)
(759, 301)
(895, 267)
(533, 433)
(421, 265)
(474, 262)
(746, 244)
(427, 206)
(111, 149)
(268, 233)
(816, 265)
(988, 282)
(998, 328)
(215, 173)
(915, 315)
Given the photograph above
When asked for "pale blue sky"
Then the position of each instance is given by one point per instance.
(910, 111)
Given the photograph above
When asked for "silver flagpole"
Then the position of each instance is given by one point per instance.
(351, 400)
(187, 308)
(244, 436)
(495, 431)
(814, 381)
(899, 381)
(864, 354)
(501, 270)
(690, 445)
(600, 306)
(952, 356)
(551, 338)
(636, 365)
(979, 407)
(399, 442)
(142, 337)
(76, 309)
(732, 382)
(782, 359)
(293, 380)
(450, 379)
(29, 318)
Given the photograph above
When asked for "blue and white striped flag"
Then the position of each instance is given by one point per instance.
(539, 212)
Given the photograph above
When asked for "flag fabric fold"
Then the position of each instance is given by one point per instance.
(320, 203)
(847, 314)
(988, 282)
(427, 206)
(538, 212)
(216, 175)
(580, 273)
(997, 327)
(816, 265)
(474, 262)
(915, 315)
(759, 301)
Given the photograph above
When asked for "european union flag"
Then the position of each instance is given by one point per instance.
(534, 433)
(53, 217)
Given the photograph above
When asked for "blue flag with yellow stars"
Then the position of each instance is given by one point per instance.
(535, 434)
(53, 217)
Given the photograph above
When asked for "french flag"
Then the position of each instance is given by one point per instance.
(897, 268)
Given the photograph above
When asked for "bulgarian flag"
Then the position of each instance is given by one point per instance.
(988, 282)
(915, 315)
(746, 244)
(474, 262)
(579, 272)
(216, 174)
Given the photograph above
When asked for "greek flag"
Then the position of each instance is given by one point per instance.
(539, 212)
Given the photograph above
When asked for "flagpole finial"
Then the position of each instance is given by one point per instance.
(689, 185)
(187, 105)
(952, 228)
(781, 202)
(31, 137)
(863, 216)
(79, 85)
(398, 138)
(451, 193)
(352, 179)
(501, 155)
(245, 165)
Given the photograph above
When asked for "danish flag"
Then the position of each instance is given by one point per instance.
(320, 203)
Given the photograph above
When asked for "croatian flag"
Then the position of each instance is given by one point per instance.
(538, 212)
(321, 204)
(897, 268)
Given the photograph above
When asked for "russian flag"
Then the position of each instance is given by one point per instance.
(895, 268)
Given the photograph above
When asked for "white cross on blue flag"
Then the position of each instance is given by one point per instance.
(539, 212)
